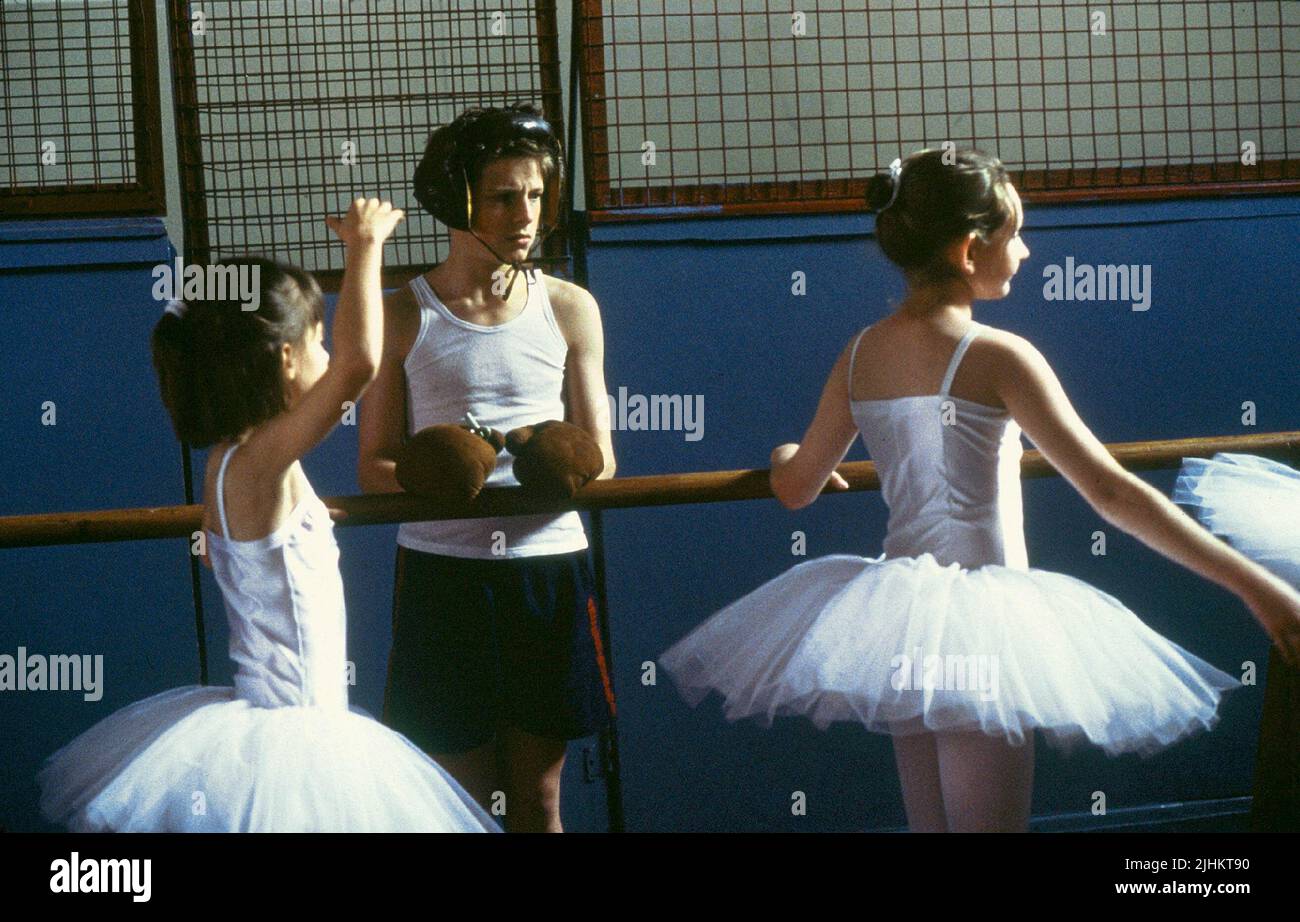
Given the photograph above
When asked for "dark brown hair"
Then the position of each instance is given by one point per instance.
(937, 203)
(517, 147)
(219, 366)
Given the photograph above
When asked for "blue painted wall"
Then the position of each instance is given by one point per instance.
(75, 332)
(690, 307)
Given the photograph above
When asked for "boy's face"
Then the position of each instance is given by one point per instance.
(508, 205)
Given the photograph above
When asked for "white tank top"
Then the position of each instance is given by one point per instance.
(508, 375)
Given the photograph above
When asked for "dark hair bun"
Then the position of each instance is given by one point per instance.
(942, 195)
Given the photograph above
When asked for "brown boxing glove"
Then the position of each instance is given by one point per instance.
(553, 459)
(448, 463)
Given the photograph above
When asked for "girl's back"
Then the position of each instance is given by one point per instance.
(903, 356)
(283, 598)
(948, 459)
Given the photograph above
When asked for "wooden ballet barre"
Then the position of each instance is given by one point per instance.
(616, 493)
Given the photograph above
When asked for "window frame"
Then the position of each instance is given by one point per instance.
(148, 194)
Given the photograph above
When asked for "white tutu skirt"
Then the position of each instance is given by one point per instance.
(1252, 502)
(907, 645)
(198, 759)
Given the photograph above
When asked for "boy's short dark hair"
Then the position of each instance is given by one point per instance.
(458, 152)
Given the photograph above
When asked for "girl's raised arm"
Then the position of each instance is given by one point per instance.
(1037, 402)
(358, 343)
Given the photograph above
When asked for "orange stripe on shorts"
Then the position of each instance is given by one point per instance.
(594, 624)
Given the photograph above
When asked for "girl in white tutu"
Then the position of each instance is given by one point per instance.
(949, 641)
(281, 751)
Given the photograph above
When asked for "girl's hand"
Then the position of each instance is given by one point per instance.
(1277, 608)
(367, 221)
(782, 454)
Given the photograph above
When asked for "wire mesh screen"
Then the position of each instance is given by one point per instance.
(78, 128)
(738, 105)
(288, 110)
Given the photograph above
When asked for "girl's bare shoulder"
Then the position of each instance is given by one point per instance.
(210, 473)
(1012, 362)
(880, 331)
(998, 335)
(1005, 344)
(254, 503)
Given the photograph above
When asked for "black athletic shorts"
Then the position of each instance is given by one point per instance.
(478, 644)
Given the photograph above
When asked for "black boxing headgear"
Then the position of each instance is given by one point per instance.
(457, 152)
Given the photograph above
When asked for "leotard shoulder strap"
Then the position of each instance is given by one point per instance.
(957, 356)
(853, 355)
(221, 493)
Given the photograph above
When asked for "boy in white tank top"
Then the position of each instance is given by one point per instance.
(497, 656)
